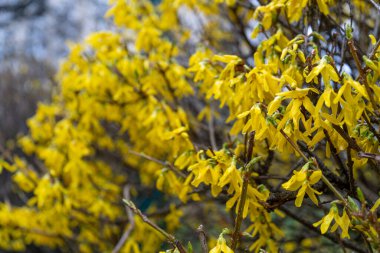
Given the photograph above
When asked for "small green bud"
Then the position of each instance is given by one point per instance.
(348, 31)
(247, 234)
(251, 163)
(360, 195)
(271, 120)
(287, 59)
(369, 63)
(226, 231)
(318, 36)
(262, 188)
(189, 247)
(353, 204)
(212, 162)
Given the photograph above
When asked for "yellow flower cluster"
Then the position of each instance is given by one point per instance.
(135, 105)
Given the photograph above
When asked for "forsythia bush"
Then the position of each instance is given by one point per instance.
(258, 120)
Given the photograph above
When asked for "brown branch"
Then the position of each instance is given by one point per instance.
(326, 171)
(277, 199)
(374, 50)
(172, 240)
(350, 165)
(239, 218)
(346, 170)
(294, 145)
(339, 162)
(374, 4)
(202, 238)
(241, 29)
(351, 142)
(131, 220)
(250, 144)
(211, 128)
(268, 161)
(264, 177)
(375, 157)
(243, 196)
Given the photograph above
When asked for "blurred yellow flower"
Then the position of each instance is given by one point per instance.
(221, 246)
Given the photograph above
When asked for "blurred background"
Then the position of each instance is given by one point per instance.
(33, 39)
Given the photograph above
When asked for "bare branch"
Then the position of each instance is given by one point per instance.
(131, 220)
(374, 4)
(173, 241)
(202, 238)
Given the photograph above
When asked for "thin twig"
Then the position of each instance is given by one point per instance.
(239, 218)
(202, 238)
(264, 177)
(324, 179)
(339, 162)
(211, 128)
(350, 141)
(333, 189)
(131, 220)
(172, 240)
(153, 159)
(268, 161)
(375, 157)
(329, 184)
(243, 196)
(250, 143)
(294, 145)
(375, 5)
(326, 171)
(241, 29)
(363, 78)
(350, 165)
(374, 50)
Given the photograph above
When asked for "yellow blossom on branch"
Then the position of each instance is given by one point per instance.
(302, 181)
(221, 246)
(340, 221)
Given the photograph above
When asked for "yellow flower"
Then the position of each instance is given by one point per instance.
(376, 205)
(267, 13)
(185, 159)
(232, 176)
(293, 111)
(327, 219)
(373, 39)
(221, 246)
(323, 7)
(304, 180)
(228, 2)
(295, 8)
(342, 222)
(324, 68)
